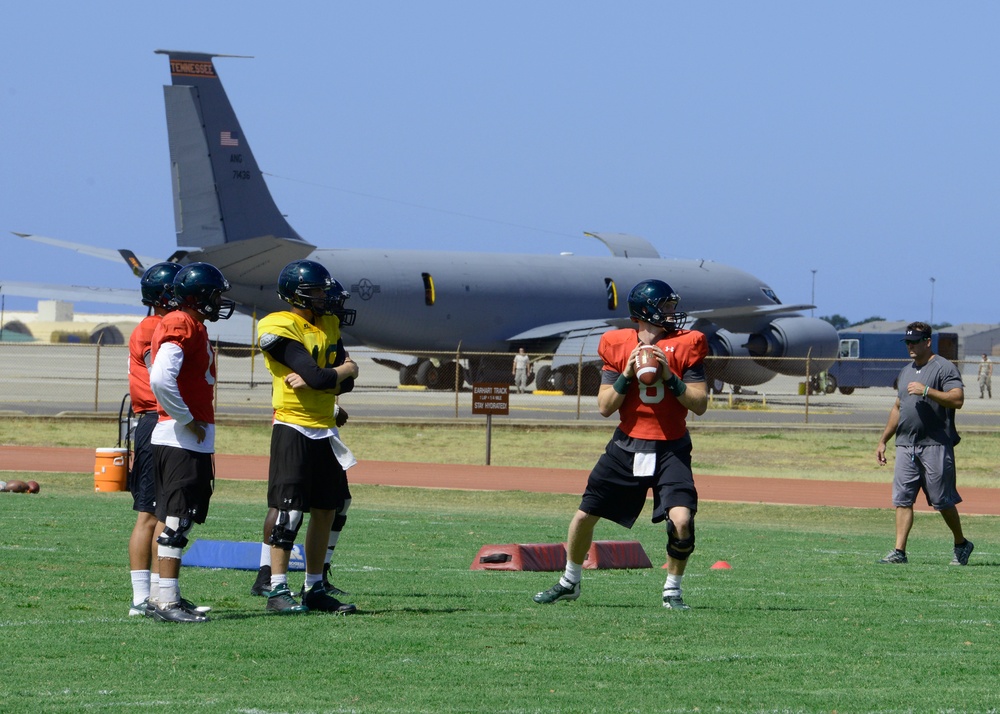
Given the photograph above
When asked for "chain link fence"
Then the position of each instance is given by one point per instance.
(51, 379)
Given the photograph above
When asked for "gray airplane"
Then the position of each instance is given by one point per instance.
(436, 303)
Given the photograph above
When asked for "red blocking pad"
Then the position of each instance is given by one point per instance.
(616, 554)
(521, 556)
(608, 554)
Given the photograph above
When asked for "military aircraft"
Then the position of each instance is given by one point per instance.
(424, 308)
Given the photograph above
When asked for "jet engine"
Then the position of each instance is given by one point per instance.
(728, 359)
(795, 345)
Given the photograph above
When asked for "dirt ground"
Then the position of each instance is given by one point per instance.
(983, 501)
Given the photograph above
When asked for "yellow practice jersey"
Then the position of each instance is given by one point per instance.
(306, 407)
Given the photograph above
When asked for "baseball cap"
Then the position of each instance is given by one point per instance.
(914, 335)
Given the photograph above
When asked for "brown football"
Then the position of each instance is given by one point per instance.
(647, 367)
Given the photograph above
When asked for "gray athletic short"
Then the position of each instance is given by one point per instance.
(931, 468)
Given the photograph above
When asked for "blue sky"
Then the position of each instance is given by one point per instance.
(856, 139)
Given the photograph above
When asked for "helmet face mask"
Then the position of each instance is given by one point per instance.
(307, 285)
(655, 302)
(156, 284)
(199, 287)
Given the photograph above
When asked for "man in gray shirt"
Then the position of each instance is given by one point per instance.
(922, 419)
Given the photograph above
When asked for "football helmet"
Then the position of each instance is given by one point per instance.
(655, 302)
(155, 284)
(199, 287)
(298, 283)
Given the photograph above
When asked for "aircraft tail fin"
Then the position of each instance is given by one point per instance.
(220, 195)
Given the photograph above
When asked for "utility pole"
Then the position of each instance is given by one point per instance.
(812, 301)
(932, 302)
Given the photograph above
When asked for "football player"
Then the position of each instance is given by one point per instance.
(651, 448)
(155, 290)
(305, 355)
(182, 378)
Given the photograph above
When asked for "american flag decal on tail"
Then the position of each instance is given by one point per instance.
(226, 138)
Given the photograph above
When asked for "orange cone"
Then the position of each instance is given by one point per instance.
(721, 565)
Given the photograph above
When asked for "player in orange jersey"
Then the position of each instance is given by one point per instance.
(183, 380)
(651, 448)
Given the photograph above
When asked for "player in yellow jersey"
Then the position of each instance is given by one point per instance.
(309, 367)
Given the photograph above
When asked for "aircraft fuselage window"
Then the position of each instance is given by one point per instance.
(429, 295)
(609, 284)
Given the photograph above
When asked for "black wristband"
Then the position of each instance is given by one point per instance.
(621, 384)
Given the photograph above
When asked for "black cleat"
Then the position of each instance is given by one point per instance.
(262, 585)
(173, 612)
(558, 592)
(330, 588)
(318, 599)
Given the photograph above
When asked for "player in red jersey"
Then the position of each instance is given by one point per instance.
(155, 289)
(183, 379)
(651, 448)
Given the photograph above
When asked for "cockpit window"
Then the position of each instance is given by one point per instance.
(771, 295)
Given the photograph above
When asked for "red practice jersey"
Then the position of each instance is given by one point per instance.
(138, 375)
(653, 412)
(196, 380)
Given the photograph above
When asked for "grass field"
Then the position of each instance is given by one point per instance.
(805, 621)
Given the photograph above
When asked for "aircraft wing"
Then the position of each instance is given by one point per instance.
(237, 331)
(748, 318)
(562, 329)
(103, 253)
(72, 293)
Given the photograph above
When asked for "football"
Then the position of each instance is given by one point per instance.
(647, 367)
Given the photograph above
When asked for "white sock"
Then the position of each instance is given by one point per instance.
(154, 587)
(277, 580)
(673, 584)
(572, 574)
(265, 554)
(312, 579)
(169, 591)
(140, 586)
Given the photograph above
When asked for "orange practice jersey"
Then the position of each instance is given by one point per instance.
(138, 375)
(196, 380)
(653, 412)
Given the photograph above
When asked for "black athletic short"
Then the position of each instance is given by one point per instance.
(304, 473)
(184, 483)
(614, 493)
(142, 474)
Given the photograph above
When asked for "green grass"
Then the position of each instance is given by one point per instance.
(794, 453)
(805, 621)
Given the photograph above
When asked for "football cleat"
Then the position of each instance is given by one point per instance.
(673, 601)
(262, 585)
(137, 609)
(280, 600)
(318, 599)
(173, 612)
(558, 592)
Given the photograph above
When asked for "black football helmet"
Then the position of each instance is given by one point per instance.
(655, 302)
(301, 277)
(155, 284)
(199, 286)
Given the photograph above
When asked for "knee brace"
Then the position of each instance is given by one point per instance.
(286, 527)
(679, 548)
(174, 537)
(341, 518)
